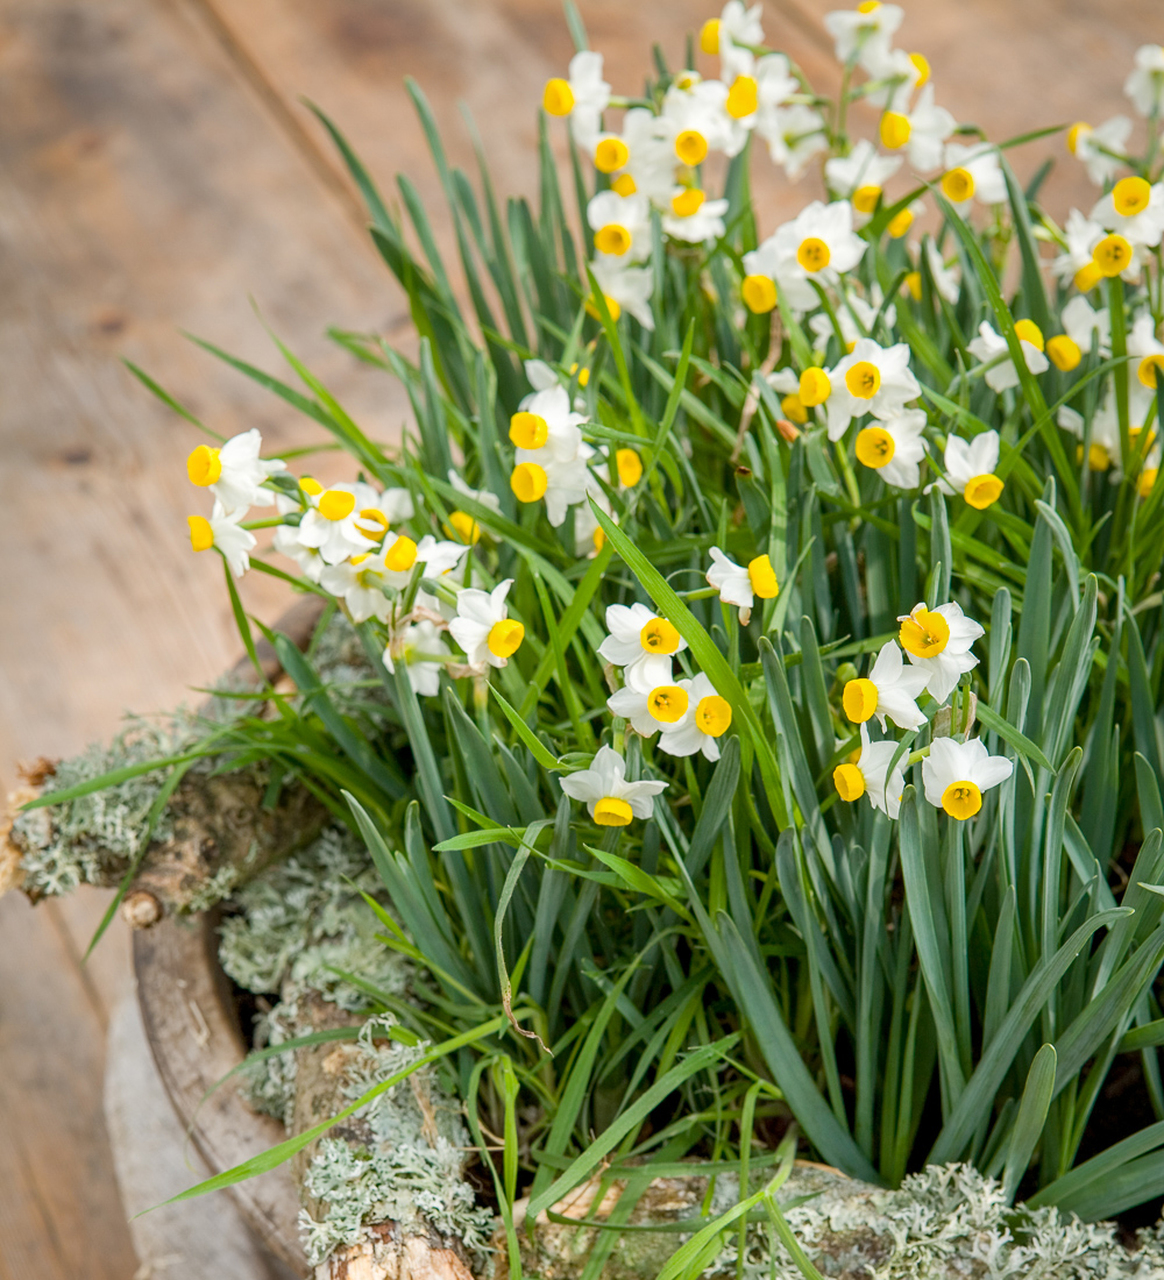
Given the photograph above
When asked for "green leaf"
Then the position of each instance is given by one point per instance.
(1032, 1116)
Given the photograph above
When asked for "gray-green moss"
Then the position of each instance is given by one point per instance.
(409, 1169)
(95, 838)
(944, 1223)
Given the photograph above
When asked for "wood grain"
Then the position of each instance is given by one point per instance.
(195, 1039)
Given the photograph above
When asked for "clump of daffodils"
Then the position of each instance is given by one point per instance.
(828, 318)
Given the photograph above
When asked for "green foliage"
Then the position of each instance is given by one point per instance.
(911, 990)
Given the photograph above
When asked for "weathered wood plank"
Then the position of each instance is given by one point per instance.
(60, 1209)
(146, 191)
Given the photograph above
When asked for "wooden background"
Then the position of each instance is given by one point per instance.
(159, 173)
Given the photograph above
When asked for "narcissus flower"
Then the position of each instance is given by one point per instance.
(1145, 85)
(648, 709)
(1134, 210)
(740, 586)
(641, 642)
(696, 111)
(870, 775)
(972, 173)
(938, 642)
(1075, 263)
(621, 226)
(234, 473)
(969, 467)
(863, 34)
(893, 446)
(731, 33)
(650, 164)
(989, 346)
(794, 134)
(483, 627)
(922, 132)
(693, 218)
(1094, 147)
(363, 579)
(420, 646)
(222, 532)
(956, 774)
(1082, 323)
(333, 524)
(890, 689)
(610, 800)
(707, 718)
(625, 289)
(860, 175)
(870, 379)
(583, 96)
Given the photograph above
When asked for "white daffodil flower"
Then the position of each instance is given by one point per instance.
(739, 585)
(922, 131)
(610, 800)
(621, 226)
(860, 175)
(729, 35)
(870, 775)
(561, 482)
(583, 96)
(286, 543)
(956, 774)
(693, 218)
(1145, 365)
(589, 536)
(1082, 323)
(333, 524)
(641, 642)
(483, 628)
(648, 710)
(1134, 210)
(1103, 448)
(222, 532)
(626, 289)
(938, 641)
(972, 173)
(855, 315)
(863, 34)
(890, 689)
(893, 446)
(1075, 262)
(969, 467)
(375, 511)
(989, 345)
(234, 473)
(649, 168)
(1092, 147)
(893, 76)
(439, 557)
(420, 646)
(817, 244)
(870, 379)
(364, 579)
(707, 717)
(462, 523)
(947, 279)
(1145, 85)
(795, 134)
(696, 111)
(546, 421)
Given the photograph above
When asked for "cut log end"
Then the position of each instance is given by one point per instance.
(141, 909)
(384, 1255)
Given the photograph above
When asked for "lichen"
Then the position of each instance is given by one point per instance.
(945, 1222)
(95, 838)
(409, 1171)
